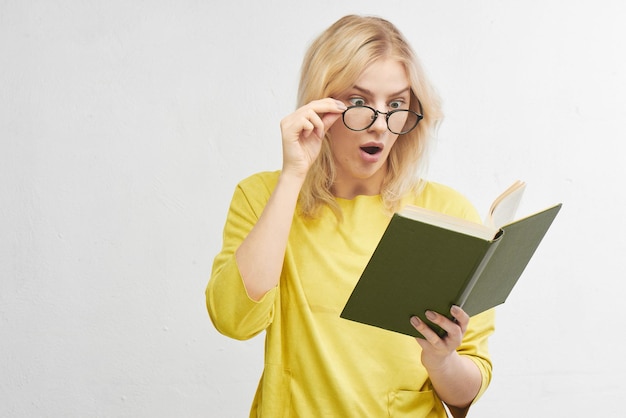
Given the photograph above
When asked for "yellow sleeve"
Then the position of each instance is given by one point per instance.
(475, 346)
(231, 310)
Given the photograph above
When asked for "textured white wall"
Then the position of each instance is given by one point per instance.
(125, 125)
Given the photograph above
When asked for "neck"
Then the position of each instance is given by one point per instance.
(344, 190)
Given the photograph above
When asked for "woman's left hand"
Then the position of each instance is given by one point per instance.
(435, 349)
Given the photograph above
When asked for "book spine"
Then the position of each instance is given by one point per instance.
(462, 298)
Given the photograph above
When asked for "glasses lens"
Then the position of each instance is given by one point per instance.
(402, 121)
(358, 118)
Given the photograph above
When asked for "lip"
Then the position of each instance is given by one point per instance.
(368, 157)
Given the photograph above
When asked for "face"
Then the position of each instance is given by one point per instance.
(361, 157)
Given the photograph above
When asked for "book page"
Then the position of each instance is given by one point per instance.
(503, 209)
(452, 223)
(502, 212)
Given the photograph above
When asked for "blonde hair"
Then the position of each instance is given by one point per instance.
(332, 64)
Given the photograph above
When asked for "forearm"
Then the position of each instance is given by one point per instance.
(260, 256)
(457, 380)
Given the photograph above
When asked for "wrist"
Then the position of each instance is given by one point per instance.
(439, 363)
(291, 178)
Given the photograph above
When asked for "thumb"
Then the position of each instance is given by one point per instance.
(329, 120)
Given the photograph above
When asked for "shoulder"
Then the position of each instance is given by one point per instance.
(441, 198)
(261, 183)
(440, 192)
(254, 191)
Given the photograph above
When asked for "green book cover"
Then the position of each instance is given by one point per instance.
(520, 240)
(418, 266)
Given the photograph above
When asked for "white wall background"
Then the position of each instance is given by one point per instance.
(125, 125)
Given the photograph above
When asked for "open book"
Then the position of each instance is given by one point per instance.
(427, 260)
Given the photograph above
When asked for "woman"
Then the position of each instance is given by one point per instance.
(296, 241)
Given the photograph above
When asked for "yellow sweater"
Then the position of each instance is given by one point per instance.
(316, 363)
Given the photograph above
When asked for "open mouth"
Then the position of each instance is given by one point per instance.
(371, 150)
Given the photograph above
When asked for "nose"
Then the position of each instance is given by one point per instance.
(380, 122)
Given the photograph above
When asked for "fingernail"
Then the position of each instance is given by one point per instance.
(415, 321)
(455, 310)
(340, 105)
(431, 315)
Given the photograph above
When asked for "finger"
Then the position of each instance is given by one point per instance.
(462, 318)
(307, 128)
(428, 334)
(451, 327)
(311, 123)
(328, 111)
(327, 105)
(315, 117)
(329, 120)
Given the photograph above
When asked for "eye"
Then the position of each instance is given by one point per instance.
(397, 104)
(357, 101)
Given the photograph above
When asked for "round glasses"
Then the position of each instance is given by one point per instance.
(399, 121)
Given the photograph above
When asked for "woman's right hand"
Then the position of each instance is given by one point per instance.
(303, 132)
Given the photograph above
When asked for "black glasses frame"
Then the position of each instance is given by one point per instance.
(387, 116)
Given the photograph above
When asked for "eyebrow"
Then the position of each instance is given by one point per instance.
(369, 93)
